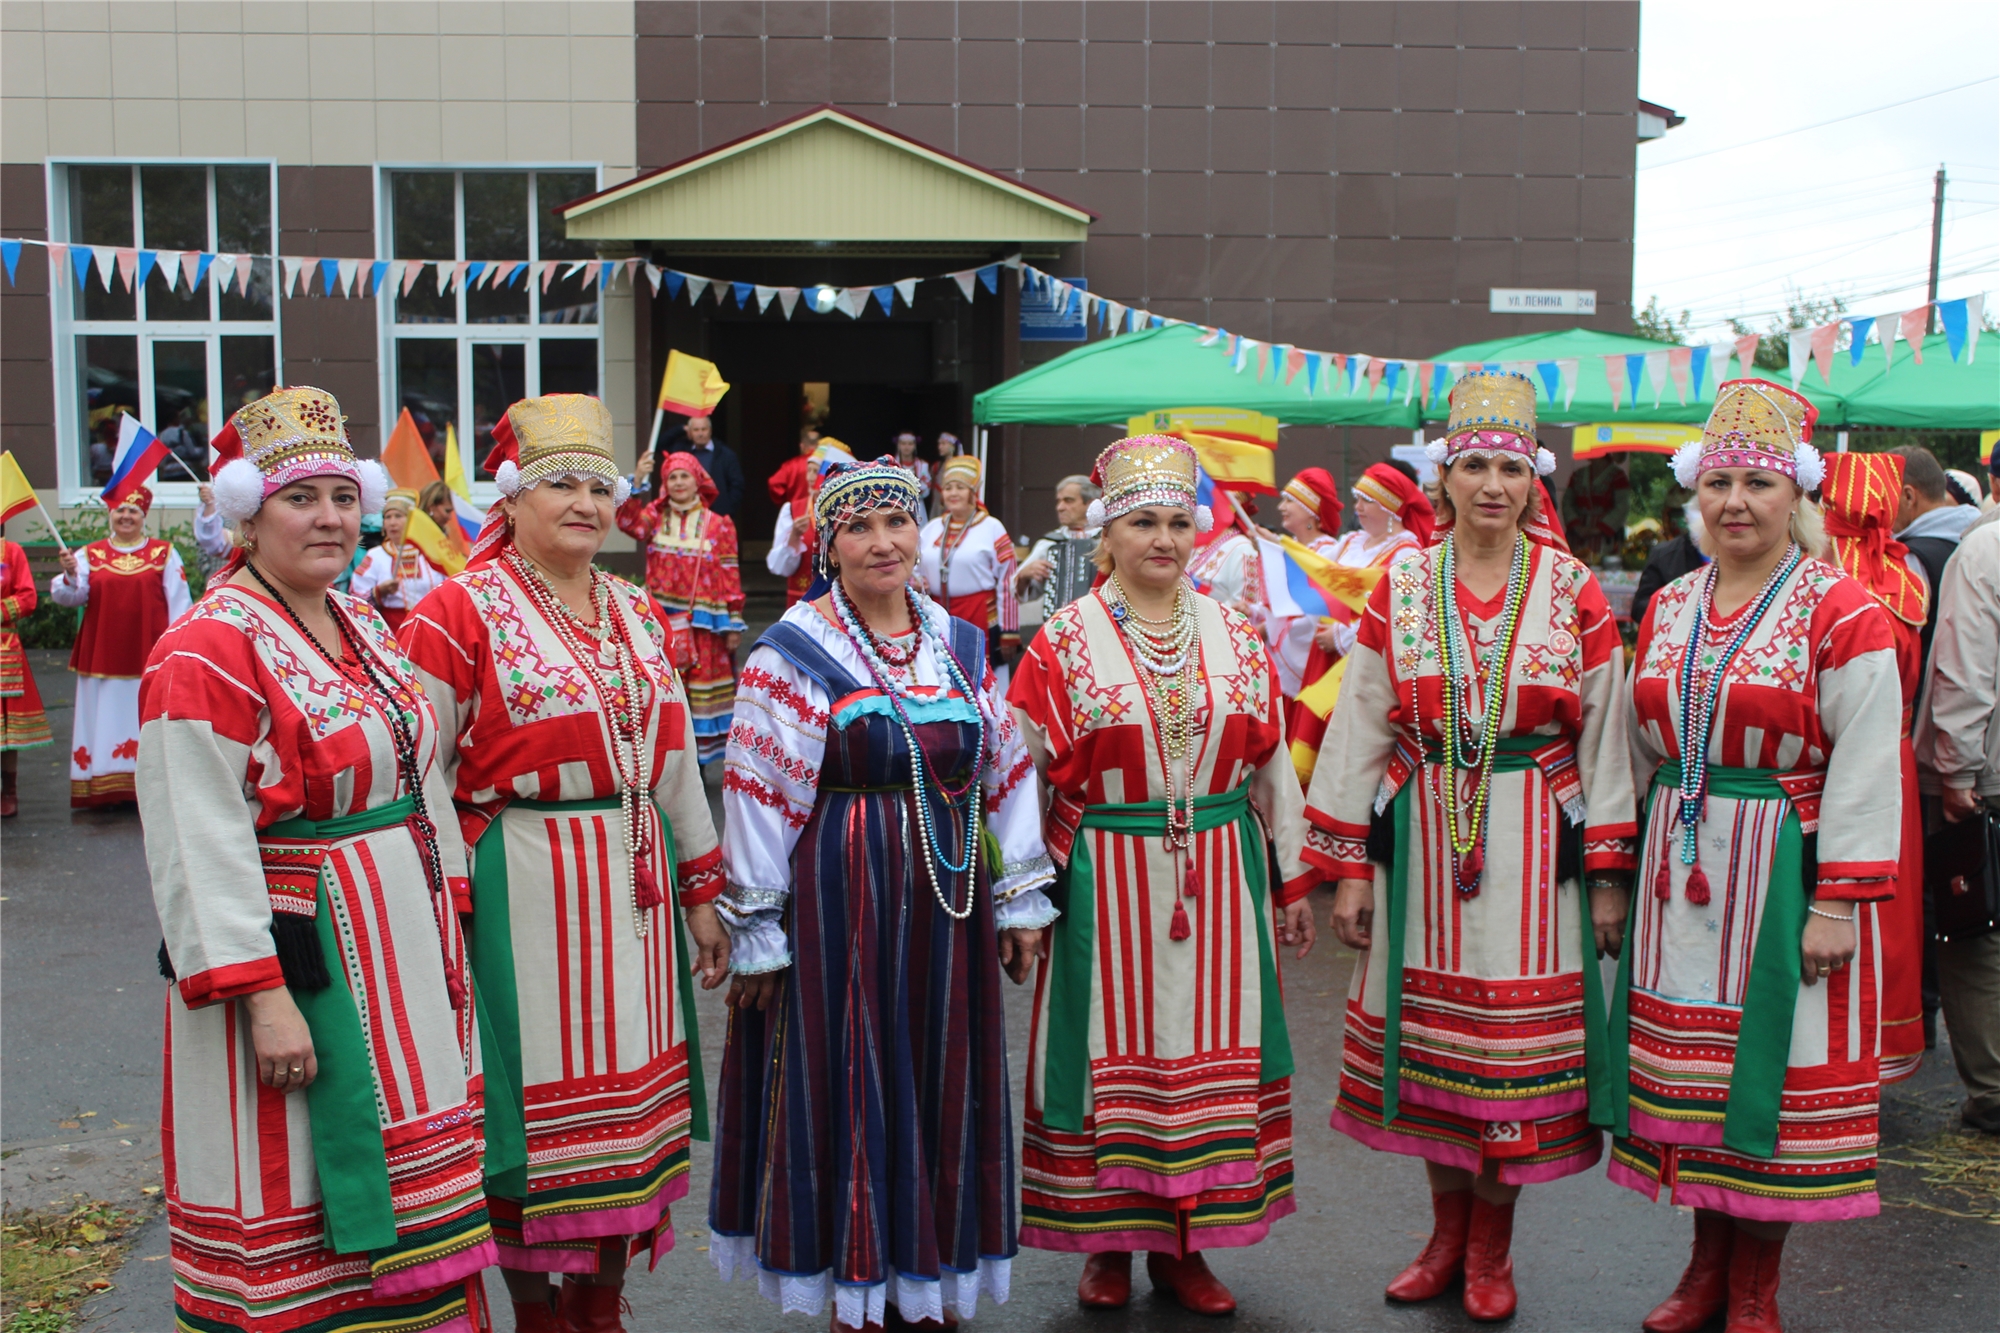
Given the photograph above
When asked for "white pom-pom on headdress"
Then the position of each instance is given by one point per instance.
(1545, 462)
(1094, 515)
(507, 479)
(1686, 464)
(621, 490)
(1204, 519)
(1812, 467)
(374, 485)
(239, 489)
(1435, 451)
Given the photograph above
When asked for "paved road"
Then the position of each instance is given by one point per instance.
(83, 1005)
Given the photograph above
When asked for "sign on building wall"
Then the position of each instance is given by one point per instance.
(1043, 322)
(1537, 301)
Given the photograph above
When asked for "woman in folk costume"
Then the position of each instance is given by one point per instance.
(1860, 497)
(131, 587)
(794, 554)
(1309, 509)
(885, 863)
(23, 724)
(395, 576)
(1393, 515)
(323, 1093)
(1225, 565)
(920, 468)
(1752, 983)
(966, 562)
(691, 572)
(1473, 784)
(569, 744)
(1159, 1072)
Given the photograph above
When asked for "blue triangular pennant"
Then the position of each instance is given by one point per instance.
(1697, 367)
(10, 251)
(1551, 377)
(147, 260)
(742, 291)
(1952, 315)
(1635, 366)
(1312, 375)
(1858, 329)
(201, 268)
(887, 297)
(329, 274)
(375, 272)
(989, 277)
(81, 258)
(674, 281)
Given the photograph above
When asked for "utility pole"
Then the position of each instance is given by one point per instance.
(1937, 247)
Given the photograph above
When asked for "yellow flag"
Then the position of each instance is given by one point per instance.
(16, 495)
(454, 467)
(691, 386)
(430, 539)
(1235, 464)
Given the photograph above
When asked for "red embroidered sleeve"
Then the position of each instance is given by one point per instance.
(639, 520)
(226, 983)
(1336, 849)
(701, 879)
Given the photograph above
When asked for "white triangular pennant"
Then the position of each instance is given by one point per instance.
(788, 297)
(695, 287)
(965, 278)
(907, 289)
(348, 268)
(1975, 312)
(764, 295)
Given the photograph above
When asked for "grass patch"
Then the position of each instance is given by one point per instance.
(52, 1261)
(1961, 1164)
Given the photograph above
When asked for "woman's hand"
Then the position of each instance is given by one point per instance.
(1296, 926)
(283, 1043)
(1828, 944)
(645, 466)
(1354, 912)
(384, 588)
(68, 559)
(1324, 639)
(1019, 948)
(731, 639)
(754, 991)
(1609, 902)
(711, 944)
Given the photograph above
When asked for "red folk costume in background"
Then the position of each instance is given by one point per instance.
(794, 540)
(23, 724)
(969, 567)
(691, 573)
(578, 794)
(1860, 498)
(1291, 637)
(129, 596)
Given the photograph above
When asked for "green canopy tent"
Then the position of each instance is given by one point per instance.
(1591, 401)
(1940, 394)
(1107, 382)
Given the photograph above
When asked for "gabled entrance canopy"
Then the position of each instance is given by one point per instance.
(825, 176)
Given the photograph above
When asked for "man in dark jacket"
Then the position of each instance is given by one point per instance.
(1669, 560)
(697, 437)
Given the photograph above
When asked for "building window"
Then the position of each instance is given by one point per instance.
(178, 353)
(464, 354)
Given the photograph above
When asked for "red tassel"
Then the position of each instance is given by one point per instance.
(1191, 881)
(1697, 889)
(1470, 868)
(646, 885)
(1663, 883)
(1180, 929)
(454, 986)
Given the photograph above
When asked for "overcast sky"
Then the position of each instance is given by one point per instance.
(1843, 210)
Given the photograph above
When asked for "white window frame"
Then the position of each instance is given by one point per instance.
(170, 487)
(484, 493)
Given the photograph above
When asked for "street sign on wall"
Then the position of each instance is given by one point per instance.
(1541, 301)
(1042, 321)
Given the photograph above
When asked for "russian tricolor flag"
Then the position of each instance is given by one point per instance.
(139, 454)
(470, 518)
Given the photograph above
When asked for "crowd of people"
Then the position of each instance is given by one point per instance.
(437, 875)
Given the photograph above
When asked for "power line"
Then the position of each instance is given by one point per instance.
(1738, 294)
(1852, 115)
(1704, 316)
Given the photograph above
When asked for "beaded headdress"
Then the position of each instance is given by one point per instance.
(1755, 423)
(1314, 488)
(1143, 470)
(556, 435)
(289, 435)
(1492, 412)
(961, 468)
(849, 490)
(402, 498)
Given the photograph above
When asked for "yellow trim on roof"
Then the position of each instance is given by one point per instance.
(825, 177)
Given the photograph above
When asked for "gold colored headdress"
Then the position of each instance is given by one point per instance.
(556, 435)
(962, 468)
(1755, 423)
(1492, 412)
(1143, 470)
(286, 436)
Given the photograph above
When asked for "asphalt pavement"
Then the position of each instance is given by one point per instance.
(83, 1006)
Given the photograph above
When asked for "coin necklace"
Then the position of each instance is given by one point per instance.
(398, 705)
(624, 709)
(1474, 699)
(923, 774)
(1167, 657)
(1701, 693)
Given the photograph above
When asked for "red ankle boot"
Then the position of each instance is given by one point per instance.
(1106, 1283)
(1489, 1262)
(538, 1316)
(1189, 1281)
(1704, 1287)
(1443, 1258)
(591, 1307)
(1753, 1284)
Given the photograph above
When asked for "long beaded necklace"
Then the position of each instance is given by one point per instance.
(922, 771)
(1165, 652)
(1474, 700)
(1701, 692)
(948, 541)
(398, 707)
(624, 709)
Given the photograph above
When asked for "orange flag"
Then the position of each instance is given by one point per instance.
(406, 458)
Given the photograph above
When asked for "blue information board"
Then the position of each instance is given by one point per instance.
(1043, 322)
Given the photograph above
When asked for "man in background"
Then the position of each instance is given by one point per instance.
(697, 437)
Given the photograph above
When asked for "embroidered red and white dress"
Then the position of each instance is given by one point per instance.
(23, 724)
(274, 811)
(1750, 1092)
(415, 578)
(970, 571)
(591, 1019)
(1159, 1096)
(1477, 1003)
(691, 572)
(129, 595)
